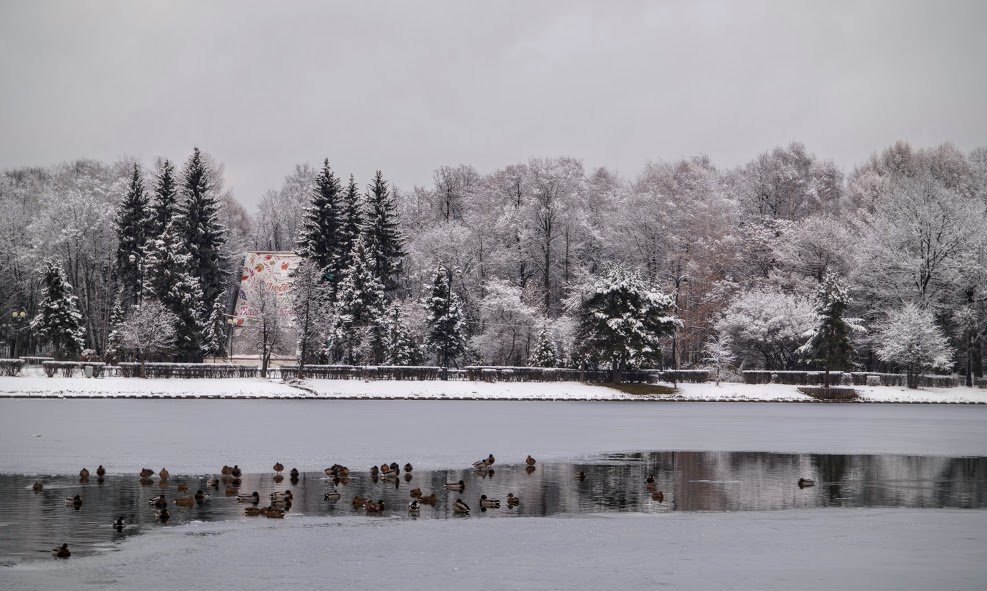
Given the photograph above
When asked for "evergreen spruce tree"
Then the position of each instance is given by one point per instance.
(133, 220)
(544, 355)
(310, 306)
(165, 204)
(401, 347)
(352, 223)
(169, 279)
(214, 338)
(115, 350)
(445, 321)
(201, 230)
(58, 320)
(384, 238)
(359, 303)
(830, 345)
(321, 238)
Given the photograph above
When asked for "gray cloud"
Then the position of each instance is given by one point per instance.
(408, 86)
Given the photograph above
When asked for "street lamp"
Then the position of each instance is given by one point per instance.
(231, 321)
(133, 258)
(17, 316)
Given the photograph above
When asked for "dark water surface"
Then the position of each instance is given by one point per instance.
(31, 524)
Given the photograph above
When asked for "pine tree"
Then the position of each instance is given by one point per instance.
(543, 355)
(359, 302)
(169, 279)
(58, 320)
(401, 347)
(115, 349)
(384, 238)
(165, 204)
(622, 319)
(321, 237)
(445, 321)
(201, 230)
(214, 338)
(352, 223)
(830, 344)
(132, 227)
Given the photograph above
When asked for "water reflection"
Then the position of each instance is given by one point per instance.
(31, 524)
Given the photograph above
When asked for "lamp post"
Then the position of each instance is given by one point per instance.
(231, 321)
(17, 318)
(133, 258)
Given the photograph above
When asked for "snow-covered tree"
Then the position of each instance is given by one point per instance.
(911, 340)
(149, 330)
(401, 346)
(352, 221)
(281, 213)
(217, 327)
(359, 303)
(544, 353)
(267, 331)
(766, 327)
(719, 355)
(310, 306)
(133, 221)
(58, 320)
(165, 204)
(384, 237)
(622, 320)
(830, 345)
(445, 321)
(201, 229)
(115, 349)
(506, 324)
(168, 278)
(320, 238)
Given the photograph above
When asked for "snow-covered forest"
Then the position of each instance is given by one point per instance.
(495, 267)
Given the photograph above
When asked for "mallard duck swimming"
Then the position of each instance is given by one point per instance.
(650, 479)
(279, 467)
(804, 482)
(414, 507)
(101, 471)
(416, 492)
(119, 524)
(75, 501)
(359, 502)
(200, 496)
(460, 507)
(428, 499)
(147, 473)
(408, 467)
(84, 474)
(282, 496)
(253, 497)
(213, 482)
(37, 487)
(155, 499)
(61, 552)
(294, 474)
(162, 515)
(333, 495)
(374, 470)
(456, 485)
(185, 502)
(235, 471)
(658, 496)
(253, 511)
(385, 468)
(395, 468)
(374, 507)
(164, 474)
(274, 513)
(512, 501)
(489, 503)
(481, 465)
(182, 487)
(529, 460)
(160, 502)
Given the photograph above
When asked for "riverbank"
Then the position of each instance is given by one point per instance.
(234, 388)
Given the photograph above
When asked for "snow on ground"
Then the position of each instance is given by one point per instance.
(872, 549)
(41, 386)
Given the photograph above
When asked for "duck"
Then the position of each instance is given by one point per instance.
(395, 468)
(147, 473)
(37, 487)
(235, 471)
(182, 487)
(385, 468)
(101, 471)
(253, 497)
(155, 500)
(294, 473)
(161, 502)
(119, 524)
(651, 487)
(374, 470)
(481, 465)
(61, 551)
(253, 511)
(413, 507)
(416, 493)
(164, 474)
(658, 496)
(512, 501)
(529, 460)
(408, 467)
(213, 482)
(456, 485)
(185, 501)
(75, 501)
(200, 496)
(274, 513)
(390, 476)
(374, 507)
(489, 503)
(580, 475)
(162, 515)
(650, 479)
(333, 495)
(84, 474)
(428, 499)
(278, 467)
(282, 496)
(804, 482)
(460, 507)
(359, 502)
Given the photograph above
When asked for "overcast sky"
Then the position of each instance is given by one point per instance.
(409, 86)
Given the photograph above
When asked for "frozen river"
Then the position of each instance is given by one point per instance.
(898, 504)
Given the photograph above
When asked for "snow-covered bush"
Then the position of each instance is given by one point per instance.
(911, 340)
(10, 367)
(767, 327)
